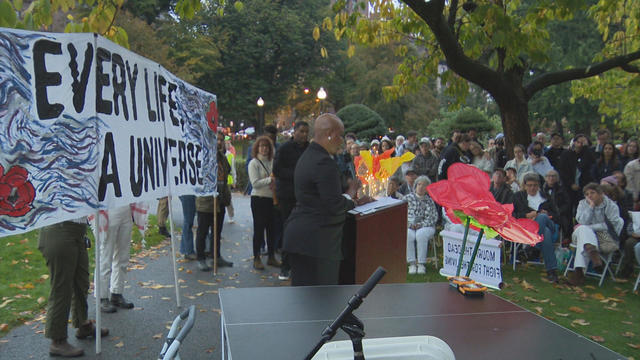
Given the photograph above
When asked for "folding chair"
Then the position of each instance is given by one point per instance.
(606, 261)
(516, 246)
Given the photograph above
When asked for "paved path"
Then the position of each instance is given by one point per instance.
(139, 333)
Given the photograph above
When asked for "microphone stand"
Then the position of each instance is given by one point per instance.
(348, 322)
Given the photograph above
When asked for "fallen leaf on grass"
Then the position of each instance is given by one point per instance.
(217, 310)
(207, 283)
(538, 309)
(582, 322)
(4, 327)
(210, 350)
(635, 346)
(628, 334)
(40, 300)
(158, 286)
(189, 271)
(598, 296)
(120, 344)
(627, 322)
(590, 287)
(561, 314)
(200, 294)
(613, 308)
(190, 297)
(576, 309)
(527, 286)
(146, 297)
(530, 299)
(24, 241)
(6, 302)
(597, 338)
(211, 291)
(44, 277)
(165, 298)
(157, 336)
(13, 262)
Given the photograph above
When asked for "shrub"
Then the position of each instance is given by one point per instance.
(362, 121)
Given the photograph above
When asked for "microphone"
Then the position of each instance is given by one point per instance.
(356, 300)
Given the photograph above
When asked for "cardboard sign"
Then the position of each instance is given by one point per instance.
(486, 268)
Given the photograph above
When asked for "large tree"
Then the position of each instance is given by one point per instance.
(497, 44)
(266, 48)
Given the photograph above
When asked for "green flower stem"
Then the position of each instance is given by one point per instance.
(464, 244)
(475, 252)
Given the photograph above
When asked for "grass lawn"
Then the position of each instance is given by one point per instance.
(609, 315)
(24, 282)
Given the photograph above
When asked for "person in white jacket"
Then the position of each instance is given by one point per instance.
(594, 211)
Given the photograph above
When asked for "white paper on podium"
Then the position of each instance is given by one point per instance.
(374, 206)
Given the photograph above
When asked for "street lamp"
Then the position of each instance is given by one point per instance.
(321, 96)
(259, 127)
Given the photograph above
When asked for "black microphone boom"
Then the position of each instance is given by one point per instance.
(356, 300)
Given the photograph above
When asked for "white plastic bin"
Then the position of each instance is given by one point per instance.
(396, 348)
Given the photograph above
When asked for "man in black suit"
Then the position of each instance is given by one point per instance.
(313, 232)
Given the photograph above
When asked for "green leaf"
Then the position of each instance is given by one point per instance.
(238, 5)
(17, 4)
(7, 14)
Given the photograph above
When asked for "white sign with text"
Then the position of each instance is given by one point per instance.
(486, 268)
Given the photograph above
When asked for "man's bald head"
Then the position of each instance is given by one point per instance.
(327, 132)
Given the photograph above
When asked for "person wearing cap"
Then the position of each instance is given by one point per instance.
(374, 146)
(425, 163)
(409, 177)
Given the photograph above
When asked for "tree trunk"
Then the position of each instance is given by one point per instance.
(515, 122)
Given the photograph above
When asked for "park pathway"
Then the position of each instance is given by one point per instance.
(139, 333)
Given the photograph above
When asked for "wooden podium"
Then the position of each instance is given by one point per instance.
(372, 239)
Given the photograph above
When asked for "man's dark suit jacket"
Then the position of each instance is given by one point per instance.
(314, 227)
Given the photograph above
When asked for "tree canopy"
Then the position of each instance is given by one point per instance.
(502, 46)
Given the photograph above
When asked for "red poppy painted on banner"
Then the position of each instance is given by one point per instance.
(212, 116)
(466, 195)
(16, 192)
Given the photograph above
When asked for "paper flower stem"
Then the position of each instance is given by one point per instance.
(475, 252)
(464, 244)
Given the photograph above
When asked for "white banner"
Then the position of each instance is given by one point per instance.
(486, 268)
(86, 124)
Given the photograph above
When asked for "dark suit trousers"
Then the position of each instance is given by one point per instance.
(309, 271)
(286, 206)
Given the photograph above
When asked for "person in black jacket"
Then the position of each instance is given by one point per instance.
(553, 189)
(499, 188)
(313, 232)
(532, 204)
(454, 153)
(555, 151)
(576, 164)
(284, 167)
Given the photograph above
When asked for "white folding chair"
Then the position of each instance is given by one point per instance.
(606, 261)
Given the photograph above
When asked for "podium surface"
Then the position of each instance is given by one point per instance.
(375, 238)
(286, 322)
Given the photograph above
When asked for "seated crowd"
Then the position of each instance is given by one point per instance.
(580, 195)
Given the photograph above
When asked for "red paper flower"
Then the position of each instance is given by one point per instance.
(467, 192)
(16, 192)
